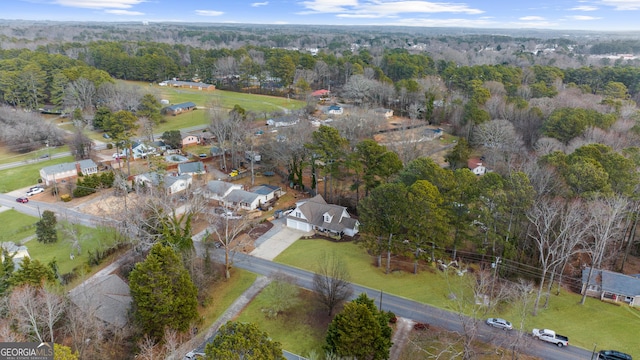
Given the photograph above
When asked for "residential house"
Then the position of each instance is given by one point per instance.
(178, 108)
(316, 215)
(218, 189)
(475, 165)
(139, 150)
(241, 199)
(188, 139)
(386, 113)
(106, 297)
(335, 110)
(17, 252)
(267, 192)
(283, 121)
(160, 146)
(190, 85)
(216, 151)
(612, 286)
(56, 173)
(169, 183)
(191, 168)
(320, 93)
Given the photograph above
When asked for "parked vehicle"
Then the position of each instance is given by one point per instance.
(35, 190)
(192, 355)
(550, 336)
(118, 156)
(22, 200)
(613, 355)
(499, 323)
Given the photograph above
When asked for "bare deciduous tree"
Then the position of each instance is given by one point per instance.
(331, 282)
(606, 217)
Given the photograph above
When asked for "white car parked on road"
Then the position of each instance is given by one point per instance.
(34, 190)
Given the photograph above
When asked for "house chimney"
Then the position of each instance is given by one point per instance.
(78, 169)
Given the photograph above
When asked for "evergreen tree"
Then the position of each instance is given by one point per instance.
(46, 228)
(163, 294)
(236, 341)
(360, 331)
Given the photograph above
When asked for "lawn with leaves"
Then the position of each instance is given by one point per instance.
(223, 294)
(617, 326)
(300, 329)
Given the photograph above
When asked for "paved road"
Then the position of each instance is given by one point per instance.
(412, 310)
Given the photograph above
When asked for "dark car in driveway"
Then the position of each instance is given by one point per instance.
(22, 200)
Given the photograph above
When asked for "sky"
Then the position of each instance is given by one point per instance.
(598, 15)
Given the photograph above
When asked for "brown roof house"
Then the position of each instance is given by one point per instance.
(475, 165)
(611, 286)
(316, 215)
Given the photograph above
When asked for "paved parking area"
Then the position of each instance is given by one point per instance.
(276, 240)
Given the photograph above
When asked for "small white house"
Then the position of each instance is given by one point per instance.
(218, 189)
(335, 110)
(475, 165)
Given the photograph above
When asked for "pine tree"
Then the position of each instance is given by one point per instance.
(46, 228)
(163, 294)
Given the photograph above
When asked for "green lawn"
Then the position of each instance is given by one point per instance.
(9, 157)
(610, 326)
(224, 293)
(17, 226)
(23, 176)
(91, 239)
(293, 329)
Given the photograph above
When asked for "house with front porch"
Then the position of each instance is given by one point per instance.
(241, 199)
(611, 286)
(170, 184)
(316, 215)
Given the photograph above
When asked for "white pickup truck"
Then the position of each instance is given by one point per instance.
(550, 336)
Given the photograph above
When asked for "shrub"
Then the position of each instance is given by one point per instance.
(109, 146)
(65, 197)
(420, 326)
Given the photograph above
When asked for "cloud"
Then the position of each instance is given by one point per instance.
(257, 4)
(124, 12)
(531, 18)
(622, 4)
(477, 23)
(99, 4)
(209, 12)
(385, 8)
(582, 17)
(584, 8)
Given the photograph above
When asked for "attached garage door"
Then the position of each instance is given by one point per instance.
(298, 225)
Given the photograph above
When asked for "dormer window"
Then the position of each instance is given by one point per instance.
(326, 218)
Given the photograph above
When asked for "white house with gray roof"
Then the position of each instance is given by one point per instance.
(241, 199)
(611, 286)
(218, 189)
(169, 183)
(316, 215)
(56, 173)
(267, 192)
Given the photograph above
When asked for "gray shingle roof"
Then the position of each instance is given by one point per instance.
(315, 208)
(107, 298)
(241, 196)
(613, 282)
(64, 167)
(263, 189)
(191, 167)
(220, 187)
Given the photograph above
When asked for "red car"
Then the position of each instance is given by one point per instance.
(22, 200)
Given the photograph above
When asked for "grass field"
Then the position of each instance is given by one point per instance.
(296, 329)
(27, 175)
(92, 239)
(9, 157)
(595, 322)
(223, 294)
(17, 226)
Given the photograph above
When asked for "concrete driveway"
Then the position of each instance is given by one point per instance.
(276, 240)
